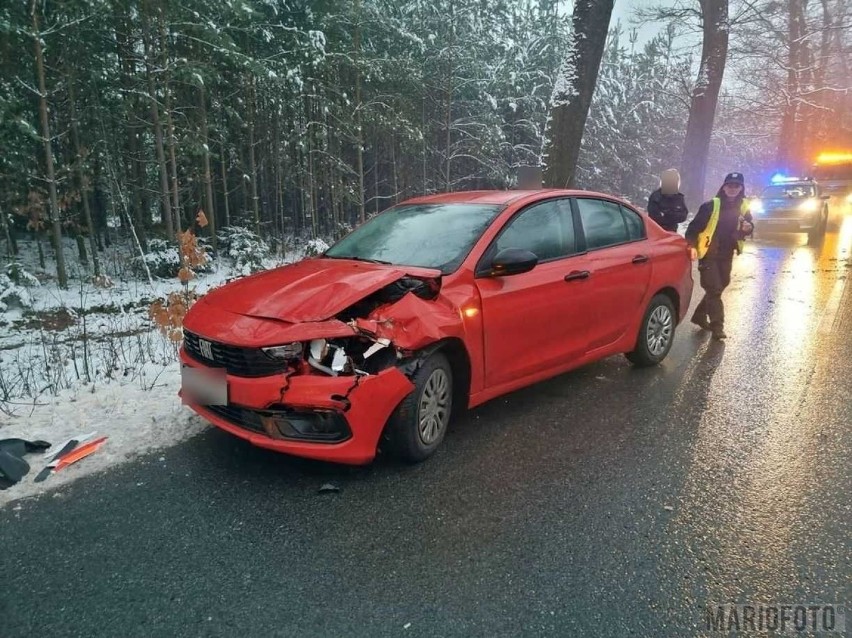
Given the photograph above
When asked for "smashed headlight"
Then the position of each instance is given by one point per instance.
(286, 352)
(351, 355)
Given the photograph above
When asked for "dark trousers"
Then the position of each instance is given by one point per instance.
(715, 277)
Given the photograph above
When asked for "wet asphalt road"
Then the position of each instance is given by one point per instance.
(605, 502)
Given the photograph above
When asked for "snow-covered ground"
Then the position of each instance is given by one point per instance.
(137, 418)
(89, 358)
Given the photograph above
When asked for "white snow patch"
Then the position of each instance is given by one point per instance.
(136, 419)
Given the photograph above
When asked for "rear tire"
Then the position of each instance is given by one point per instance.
(418, 425)
(656, 333)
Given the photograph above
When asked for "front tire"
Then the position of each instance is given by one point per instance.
(418, 425)
(656, 333)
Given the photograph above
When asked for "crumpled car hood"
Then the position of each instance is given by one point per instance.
(310, 290)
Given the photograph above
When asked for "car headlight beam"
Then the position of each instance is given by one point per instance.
(809, 205)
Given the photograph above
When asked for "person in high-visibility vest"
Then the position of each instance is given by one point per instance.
(716, 233)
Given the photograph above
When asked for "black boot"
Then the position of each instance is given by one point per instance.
(701, 322)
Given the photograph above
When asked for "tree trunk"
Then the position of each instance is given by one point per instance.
(135, 180)
(7, 231)
(448, 115)
(81, 249)
(705, 95)
(99, 212)
(245, 171)
(312, 195)
(358, 119)
(394, 169)
(225, 187)
(279, 179)
(252, 163)
(787, 155)
(572, 93)
(165, 196)
(208, 177)
(376, 177)
(81, 179)
(178, 225)
(424, 158)
(276, 168)
(56, 226)
(41, 261)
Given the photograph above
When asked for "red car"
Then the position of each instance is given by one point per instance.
(437, 304)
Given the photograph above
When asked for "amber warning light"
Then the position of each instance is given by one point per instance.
(834, 158)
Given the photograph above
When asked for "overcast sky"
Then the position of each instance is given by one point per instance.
(624, 11)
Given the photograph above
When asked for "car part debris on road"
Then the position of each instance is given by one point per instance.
(70, 452)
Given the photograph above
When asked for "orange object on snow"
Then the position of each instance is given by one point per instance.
(80, 453)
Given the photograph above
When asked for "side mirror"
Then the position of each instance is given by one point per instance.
(512, 261)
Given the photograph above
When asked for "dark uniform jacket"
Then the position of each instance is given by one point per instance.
(667, 210)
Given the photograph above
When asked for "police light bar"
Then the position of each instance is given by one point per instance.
(781, 179)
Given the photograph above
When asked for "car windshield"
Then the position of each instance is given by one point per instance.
(794, 191)
(423, 235)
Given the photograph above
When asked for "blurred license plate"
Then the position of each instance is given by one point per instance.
(204, 387)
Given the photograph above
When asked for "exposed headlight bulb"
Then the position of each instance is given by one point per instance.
(319, 348)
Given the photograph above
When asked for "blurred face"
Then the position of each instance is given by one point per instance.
(732, 190)
(670, 183)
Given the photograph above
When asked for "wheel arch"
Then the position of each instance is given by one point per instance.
(454, 349)
(674, 296)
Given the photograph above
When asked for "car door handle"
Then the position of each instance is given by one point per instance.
(640, 259)
(576, 275)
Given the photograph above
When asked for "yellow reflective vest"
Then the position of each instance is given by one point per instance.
(706, 235)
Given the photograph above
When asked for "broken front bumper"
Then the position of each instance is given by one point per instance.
(338, 419)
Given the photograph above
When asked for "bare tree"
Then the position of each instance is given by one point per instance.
(165, 195)
(572, 93)
(56, 226)
(705, 96)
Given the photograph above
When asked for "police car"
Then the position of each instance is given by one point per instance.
(792, 204)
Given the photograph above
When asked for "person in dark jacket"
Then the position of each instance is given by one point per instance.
(666, 205)
(715, 235)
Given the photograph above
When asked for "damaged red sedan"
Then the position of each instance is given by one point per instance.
(435, 305)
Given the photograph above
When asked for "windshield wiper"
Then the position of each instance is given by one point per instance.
(369, 261)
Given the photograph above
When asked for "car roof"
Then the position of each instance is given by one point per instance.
(504, 197)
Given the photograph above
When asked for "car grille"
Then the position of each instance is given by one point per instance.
(241, 362)
(246, 419)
